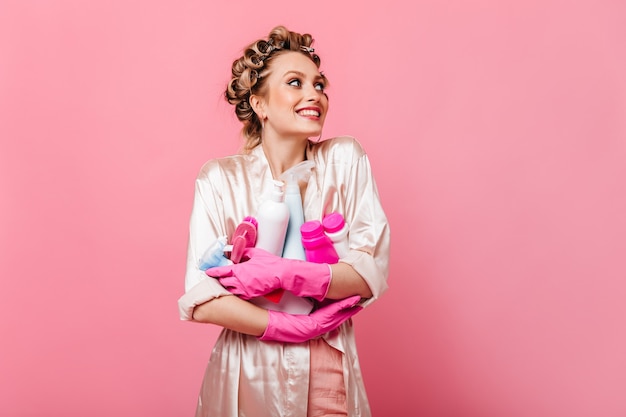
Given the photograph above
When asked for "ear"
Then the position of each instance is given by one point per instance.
(258, 105)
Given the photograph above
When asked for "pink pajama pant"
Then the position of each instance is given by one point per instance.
(327, 390)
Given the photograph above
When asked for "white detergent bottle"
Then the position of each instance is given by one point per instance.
(273, 218)
(293, 248)
(282, 300)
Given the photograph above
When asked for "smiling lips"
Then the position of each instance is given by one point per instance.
(309, 112)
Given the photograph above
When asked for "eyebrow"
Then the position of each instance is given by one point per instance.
(303, 75)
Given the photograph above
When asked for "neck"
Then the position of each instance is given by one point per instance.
(282, 155)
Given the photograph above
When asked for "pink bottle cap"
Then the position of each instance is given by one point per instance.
(333, 222)
(311, 229)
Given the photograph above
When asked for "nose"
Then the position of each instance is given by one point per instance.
(313, 94)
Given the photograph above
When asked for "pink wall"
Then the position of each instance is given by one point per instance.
(497, 131)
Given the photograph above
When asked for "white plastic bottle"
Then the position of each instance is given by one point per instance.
(336, 229)
(273, 218)
(293, 249)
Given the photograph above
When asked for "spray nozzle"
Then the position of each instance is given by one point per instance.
(277, 193)
(297, 173)
(213, 256)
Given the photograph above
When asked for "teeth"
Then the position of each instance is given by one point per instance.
(309, 113)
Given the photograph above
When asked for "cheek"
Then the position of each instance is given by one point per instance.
(325, 101)
(286, 101)
(287, 95)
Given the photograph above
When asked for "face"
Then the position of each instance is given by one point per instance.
(294, 103)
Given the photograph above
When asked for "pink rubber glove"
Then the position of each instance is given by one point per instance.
(292, 328)
(260, 273)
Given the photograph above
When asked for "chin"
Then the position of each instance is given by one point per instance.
(315, 133)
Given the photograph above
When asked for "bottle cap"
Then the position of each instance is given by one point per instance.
(311, 229)
(277, 191)
(333, 222)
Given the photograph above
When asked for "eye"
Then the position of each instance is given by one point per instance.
(295, 83)
(320, 86)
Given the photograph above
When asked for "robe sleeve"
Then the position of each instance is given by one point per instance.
(205, 226)
(369, 234)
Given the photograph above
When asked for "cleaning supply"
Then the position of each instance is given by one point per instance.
(336, 229)
(214, 255)
(317, 246)
(292, 249)
(244, 237)
(292, 177)
(272, 220)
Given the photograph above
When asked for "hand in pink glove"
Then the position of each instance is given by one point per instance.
(260, 273)
(291, 328)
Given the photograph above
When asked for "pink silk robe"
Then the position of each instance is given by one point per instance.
(249, 378)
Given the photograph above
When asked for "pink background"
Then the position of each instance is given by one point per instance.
(496, 130)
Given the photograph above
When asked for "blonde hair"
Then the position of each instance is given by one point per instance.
(250, 71)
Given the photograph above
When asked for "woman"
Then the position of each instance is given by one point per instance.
(268, 363)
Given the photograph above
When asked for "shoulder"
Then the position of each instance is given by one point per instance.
(228, 165)
(344, 149)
